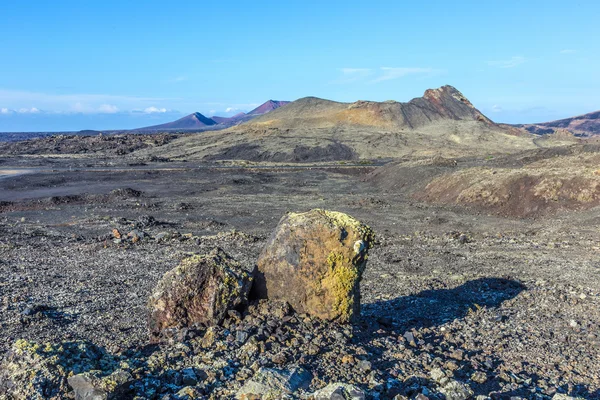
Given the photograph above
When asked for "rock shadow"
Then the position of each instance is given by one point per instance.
(439, 306)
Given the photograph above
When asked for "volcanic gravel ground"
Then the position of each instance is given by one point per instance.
(508, 307)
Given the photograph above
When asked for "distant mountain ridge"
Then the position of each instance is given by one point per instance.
(197, 121)
(224, 120)
(192, 121)
(268, 106)
(581, 125)
(441, 122)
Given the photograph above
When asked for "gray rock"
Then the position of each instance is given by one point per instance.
(364, 365)
(241, 337)
(338, 391)
(85, 388)
(455, 390)
(94, 386)
(438, 376)
(271, 383)
(162, 236)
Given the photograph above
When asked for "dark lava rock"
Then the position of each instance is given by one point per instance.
(199, 291)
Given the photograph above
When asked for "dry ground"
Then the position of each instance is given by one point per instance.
(471, 285)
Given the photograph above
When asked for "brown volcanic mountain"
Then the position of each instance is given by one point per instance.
(229, 120)
(197, 121)
(268, 106)
(442, 122)
(582, 125)
(445, 103)
(192, 121)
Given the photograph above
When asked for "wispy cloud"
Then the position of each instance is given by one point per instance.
(33, 102)
(108, 109)
(389, 73)
(375, 75)
(155, 110)
(568, 51)
(5, 111)
(31, 110)
(509, 63)
(496, 108)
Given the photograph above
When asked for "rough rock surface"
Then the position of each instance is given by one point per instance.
(272, 383)
(315, 261)
(338, 391)
(199, 291)
(36, 371)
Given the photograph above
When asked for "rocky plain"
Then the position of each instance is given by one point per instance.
(481, 280)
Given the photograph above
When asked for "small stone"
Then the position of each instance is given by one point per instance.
(189, 377)
(410, 338)
(364, 365)
(85, 388)
(189, 393)
(209, 338)
(338, 391)
(279, 358)
(438, 375)
(560, 396)
(241, 337)
(162, 236)
(573, 324)
(347, 359)
(479, 377)
(455, 390)
(135, 236)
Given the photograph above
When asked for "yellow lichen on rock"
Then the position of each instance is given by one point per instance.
(314, 261)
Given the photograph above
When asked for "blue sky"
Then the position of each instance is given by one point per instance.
(73, 65)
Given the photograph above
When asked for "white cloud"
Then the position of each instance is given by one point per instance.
(155, 110)
(74, 103)
(31, 110)
(510, 63)
(568, 51)
(230, 109)
(5, 111)
(496, 108)
(108, 109)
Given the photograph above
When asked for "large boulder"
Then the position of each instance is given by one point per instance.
(315, 261)
(198, 292)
